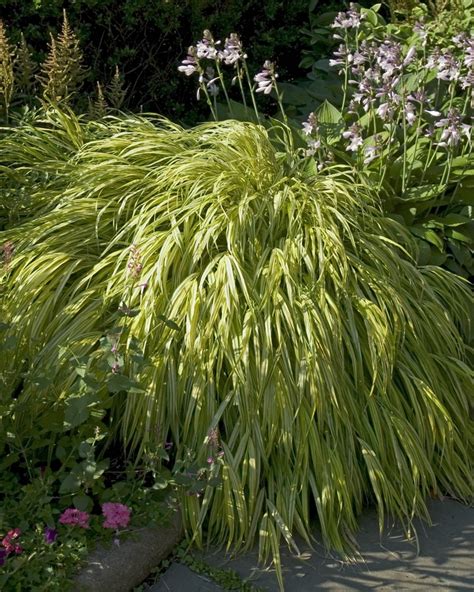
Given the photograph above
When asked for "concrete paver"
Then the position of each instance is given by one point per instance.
(179, 578)
(442, 561)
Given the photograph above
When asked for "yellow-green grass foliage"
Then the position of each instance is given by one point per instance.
(298, 330)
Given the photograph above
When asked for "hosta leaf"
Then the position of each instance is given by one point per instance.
(463, 233)
(294, 94)
(429, 235)
(421, 193)
(461, 252)
(330, 122)
(452, 220)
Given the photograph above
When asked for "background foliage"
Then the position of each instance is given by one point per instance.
(146, 39)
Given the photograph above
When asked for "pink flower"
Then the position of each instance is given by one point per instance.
(13, 534)
(75, 517)
(9, 546)
(116, 515)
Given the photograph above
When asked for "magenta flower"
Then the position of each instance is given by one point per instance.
(73, 517)
(50, 535)
(9, 546)
(116, 515)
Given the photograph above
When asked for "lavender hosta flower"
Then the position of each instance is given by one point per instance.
(420, 30)
(389, 58)
(313, 146)
(371, 152)
(447, 66)
(232, 52)
(352, 106)
(190, 65)
(429, 131)
(357, 62)
(342, 57)
(354, 137)
(266, 78)
(307, 128)
(206, 48)
(310, 125)
(419, 96)
(388, 94)
(460, 40)
(469, 53)
(385, 111)
(467, 81)
(365, 94)
(349, 19)
(410, 113)
(452, 129)
(411, 54)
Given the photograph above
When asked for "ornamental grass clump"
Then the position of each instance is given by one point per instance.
(287, 332)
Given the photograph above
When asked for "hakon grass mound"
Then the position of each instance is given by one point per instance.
(287, 337)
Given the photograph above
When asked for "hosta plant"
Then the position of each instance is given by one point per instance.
(405, 123)
(293, 345)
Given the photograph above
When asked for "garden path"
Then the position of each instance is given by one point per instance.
(443, 562)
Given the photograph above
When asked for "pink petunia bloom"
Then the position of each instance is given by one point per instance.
(74, 517)
(116, 515)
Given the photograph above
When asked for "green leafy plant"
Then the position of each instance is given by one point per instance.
(404, 125)
(57, 471)
(285, 323)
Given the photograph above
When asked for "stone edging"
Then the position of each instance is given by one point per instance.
(121, 568)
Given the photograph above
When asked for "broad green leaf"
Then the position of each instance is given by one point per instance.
(83, 503)
(119, 382)
(330, 122)
(70, 484)
(294, 94)
(429, 235)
